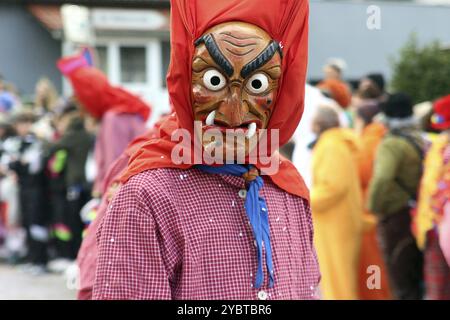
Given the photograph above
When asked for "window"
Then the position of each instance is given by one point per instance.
(133, 65)
(165, 56)
(102, 59)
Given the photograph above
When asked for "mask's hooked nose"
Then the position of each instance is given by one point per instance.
(233, 109)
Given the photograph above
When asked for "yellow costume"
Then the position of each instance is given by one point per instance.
(426, 216)
(336, 201)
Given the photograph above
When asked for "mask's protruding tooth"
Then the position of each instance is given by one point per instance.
(210, 119)
(251, 130)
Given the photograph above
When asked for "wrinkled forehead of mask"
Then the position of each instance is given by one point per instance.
(238, 48)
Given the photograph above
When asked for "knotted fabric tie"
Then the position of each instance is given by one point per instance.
(256, 209)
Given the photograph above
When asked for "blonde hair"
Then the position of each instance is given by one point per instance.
(49, 99)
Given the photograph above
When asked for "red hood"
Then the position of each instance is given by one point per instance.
(441, 117)
(286, 21)
(93, 90)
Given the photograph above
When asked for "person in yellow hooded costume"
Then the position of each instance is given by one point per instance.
(433, 196)
(336, 201)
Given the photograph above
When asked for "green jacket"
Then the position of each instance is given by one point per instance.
(397, 173)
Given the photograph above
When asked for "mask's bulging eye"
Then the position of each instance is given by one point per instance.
(214, 80)
(258, 83)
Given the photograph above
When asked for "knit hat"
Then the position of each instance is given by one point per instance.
(398, 105)
(441, 117)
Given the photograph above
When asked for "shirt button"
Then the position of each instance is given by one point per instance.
(262, 295)
(242, 193)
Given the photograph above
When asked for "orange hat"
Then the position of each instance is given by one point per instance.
(338, 91)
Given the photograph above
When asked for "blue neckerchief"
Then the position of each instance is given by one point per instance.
(257, 213)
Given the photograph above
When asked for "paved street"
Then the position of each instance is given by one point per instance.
(16, 285)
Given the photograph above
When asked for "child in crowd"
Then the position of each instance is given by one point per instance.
(69, 156)
(23, 157)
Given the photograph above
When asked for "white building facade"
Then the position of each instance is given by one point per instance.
(132, 48)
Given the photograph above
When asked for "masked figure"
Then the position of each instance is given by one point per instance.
(122, 115)
(221, 229)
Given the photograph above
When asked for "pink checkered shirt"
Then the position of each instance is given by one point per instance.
(184, 234)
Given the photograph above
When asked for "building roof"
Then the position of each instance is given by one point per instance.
(106, 3)
(48, 12)
(48, 15)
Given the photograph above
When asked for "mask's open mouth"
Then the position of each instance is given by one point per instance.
(249, 128)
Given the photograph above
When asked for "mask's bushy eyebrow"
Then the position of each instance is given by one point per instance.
(215, 53)
(261, 59)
